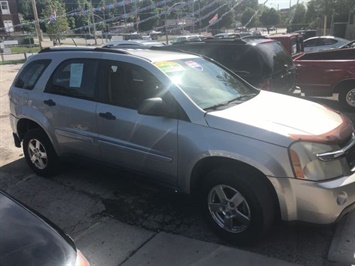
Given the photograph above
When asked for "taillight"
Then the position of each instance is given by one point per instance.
(266, 85)
(80, 259)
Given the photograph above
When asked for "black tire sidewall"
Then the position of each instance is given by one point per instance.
(52, 158)
(257, 196)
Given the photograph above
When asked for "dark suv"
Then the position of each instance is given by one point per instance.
(262, 62)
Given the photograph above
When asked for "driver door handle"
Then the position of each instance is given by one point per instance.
(107, 116)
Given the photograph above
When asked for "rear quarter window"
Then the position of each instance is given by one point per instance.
(29, 76)
(275, 56)
(243, 60)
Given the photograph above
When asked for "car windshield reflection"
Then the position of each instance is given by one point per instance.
(208, 85)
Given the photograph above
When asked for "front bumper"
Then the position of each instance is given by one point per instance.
(315, 202)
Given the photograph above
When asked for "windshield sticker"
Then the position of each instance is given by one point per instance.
(194, 65)
(167, 67)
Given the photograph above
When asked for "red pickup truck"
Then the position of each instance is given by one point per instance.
(326, 72)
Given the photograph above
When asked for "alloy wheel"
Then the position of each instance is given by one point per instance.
(229, 209)
(37, 154)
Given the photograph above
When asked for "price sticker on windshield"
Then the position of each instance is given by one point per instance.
(167, 67)
(194, 65)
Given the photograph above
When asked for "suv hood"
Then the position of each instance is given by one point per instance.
(281, 119)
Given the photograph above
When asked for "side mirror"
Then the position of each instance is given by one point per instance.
(152, 106)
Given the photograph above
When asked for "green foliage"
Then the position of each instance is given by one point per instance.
(311, 16)
(28, 26)
(300, 14)
(228, 20)
(269, 17)
(60, 24)
(78, 21)
(12, 62)
(148, 25)
(243, 7)
(247, 15)
(25, 8)
(334, 10)
(25, 49)
(28, 40)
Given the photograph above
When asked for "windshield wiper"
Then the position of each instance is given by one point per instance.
(216, 106)
(237, 100)
(244, 97)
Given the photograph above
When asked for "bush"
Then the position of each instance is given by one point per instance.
(28, 40)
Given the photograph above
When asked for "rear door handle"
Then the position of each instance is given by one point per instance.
(49, 102)
(107, 116)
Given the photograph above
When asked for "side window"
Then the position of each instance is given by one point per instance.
(29, 76)
(313, 42)
(127, 85)
(75, 78)
(328, 41)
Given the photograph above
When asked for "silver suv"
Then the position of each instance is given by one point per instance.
(251, 156)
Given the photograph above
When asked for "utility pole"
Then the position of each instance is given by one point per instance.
(165, 24)
(199, 17)
(93, 21)
(38, 29)
(193, 16)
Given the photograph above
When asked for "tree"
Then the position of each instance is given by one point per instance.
(79, 20)
(269, 17)
(149, 24)
(57, 20)
(228, 14)
(25, 8)
(243, 7)
(249, 17)
(297, 19)
(220, 7)
(333, 10)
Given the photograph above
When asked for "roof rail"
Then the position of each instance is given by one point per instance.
(252, 37)
(237, 40)
(81, 48)
(213, 40)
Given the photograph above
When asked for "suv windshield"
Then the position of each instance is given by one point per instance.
(207, 84)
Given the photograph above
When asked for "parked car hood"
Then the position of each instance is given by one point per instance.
(281, 119)
(26, 239)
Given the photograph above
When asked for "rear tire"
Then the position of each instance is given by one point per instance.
(39, 153)
(238, 206)
(347, 97)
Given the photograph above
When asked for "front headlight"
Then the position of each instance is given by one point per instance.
(307, 166)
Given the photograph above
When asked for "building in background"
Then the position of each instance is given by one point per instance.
(9, 17)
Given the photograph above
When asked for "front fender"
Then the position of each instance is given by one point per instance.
(203, 142)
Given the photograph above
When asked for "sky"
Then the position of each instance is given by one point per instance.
(281, 4)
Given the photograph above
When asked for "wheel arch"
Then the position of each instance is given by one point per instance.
(343, 84)
(25, 124)
(208, 164)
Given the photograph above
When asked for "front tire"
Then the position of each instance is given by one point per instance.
(39, 153)
(238, 206)
(347, 98)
